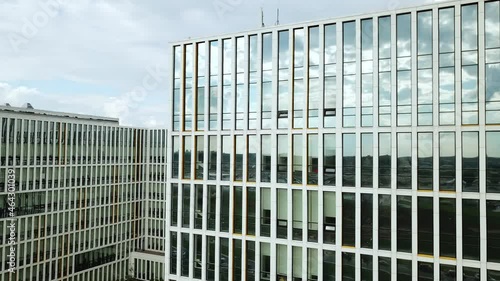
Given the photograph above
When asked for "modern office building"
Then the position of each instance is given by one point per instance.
(358, 148)
(89, 197)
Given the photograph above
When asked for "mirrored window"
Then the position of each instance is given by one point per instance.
(282, 218)
(349, 160)
(214, 84)
(425, 161)
(330, 217)
(284, 74)
(282, 159)
(312, 159)
(312, 216)
(187, 157)
(329, 159)
(188, 87)
(227, 150)
(349, 79)
(330, 71)
(265, 212)
(470, 162)
(238, 157)
(298, 74)
(253, 64)
(404, 177)
(241, 99)
(212, 157)
(265, 160)
(297, 214)
(175, 157)
(447, 161)
(367, 160)
(297, 159)
(493, 162)
(384, 160)
(253, 145)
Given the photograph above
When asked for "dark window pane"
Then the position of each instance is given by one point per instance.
(471, 229)
(384, 268)
(210, 258)
(349, 160)
(425, 161)
(404, 270)
(367, 220)
(237, 250)
(185, 255)
(493, 162)
(384, 160)
(174, 204)
(384, 222)
(404, 161)
(329, 164)
(447, 161)
(366, 267)
(447, 272)
(251, 210)
(471, 274)
(447, 227)
(493, 275)
(425, 271)
(186, 201)
(328, 265)
(348, 219)
(224, 209)
(238, 210)
(224, 259)
(425, 226)
(250, 256)
(404, 224)
(367, 160)
(348, 266)
(470, 162)
(493, 230)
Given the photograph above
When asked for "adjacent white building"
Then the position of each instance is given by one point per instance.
(360, 148)
(89, 197)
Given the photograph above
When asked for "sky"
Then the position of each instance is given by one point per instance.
(111, 57)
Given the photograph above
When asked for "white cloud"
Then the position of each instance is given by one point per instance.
(92, 104)
(110, 43)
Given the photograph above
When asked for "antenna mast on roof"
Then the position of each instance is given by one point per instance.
(278, 16)
(262, 17)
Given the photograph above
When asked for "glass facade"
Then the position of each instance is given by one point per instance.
(410, 167)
